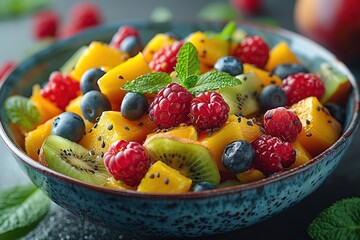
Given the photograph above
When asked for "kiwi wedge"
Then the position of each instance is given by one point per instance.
(243, 98)
(190, 158)
(73, 160)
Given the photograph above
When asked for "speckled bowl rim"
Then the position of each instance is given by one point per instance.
(328, 56)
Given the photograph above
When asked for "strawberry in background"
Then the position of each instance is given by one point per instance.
(249, 7)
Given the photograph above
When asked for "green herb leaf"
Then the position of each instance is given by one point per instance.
(217, 11)
(340, 221)
(22, 111)
(228, 31)
(187, 64)
(148, 83)
(214, 80)
(21, 207)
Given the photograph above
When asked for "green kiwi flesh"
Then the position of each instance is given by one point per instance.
(243, 98)
(191, 159)
(73, 160)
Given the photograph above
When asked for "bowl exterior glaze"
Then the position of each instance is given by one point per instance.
(186, 215)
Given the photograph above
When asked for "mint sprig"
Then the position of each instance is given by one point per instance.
(339, 221)
(214, 80)
(148, 83)
(21, 208)
(20, 110)
(188, 65)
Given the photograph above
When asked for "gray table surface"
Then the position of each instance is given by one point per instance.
(60, 224)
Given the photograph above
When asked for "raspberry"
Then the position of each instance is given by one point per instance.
(209, 111)
(6, 68)
(247, 6)
(253, 50)
(121, 34)
(127, 161)
(282, 123)
(171, 106)
(272, 154)
(45, 24)
(302, 85)
(60, 89)
(165, 59)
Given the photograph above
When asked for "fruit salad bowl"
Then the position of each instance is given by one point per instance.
(187, 214)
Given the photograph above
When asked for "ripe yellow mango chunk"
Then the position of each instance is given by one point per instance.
(98, 55)
(280, 54)
(319, 129)
(111, 83)
(161, 178)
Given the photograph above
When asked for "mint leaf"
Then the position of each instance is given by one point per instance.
(217, 11)
(214, 80)
(20, 110)
(187, 64)
(148, 83)
(20, 208)
(340, 221)
(228, 31)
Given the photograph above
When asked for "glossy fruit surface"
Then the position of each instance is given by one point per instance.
(134, 106)
(230, 65)
(238, 156)
(93, 104)
(69, 125)
(89, 80)
(272, 97)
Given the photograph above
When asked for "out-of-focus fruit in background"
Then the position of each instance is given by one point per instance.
(333, 23)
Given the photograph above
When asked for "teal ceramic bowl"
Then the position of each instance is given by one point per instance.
(178, 215)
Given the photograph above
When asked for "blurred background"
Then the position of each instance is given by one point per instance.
(27, 26)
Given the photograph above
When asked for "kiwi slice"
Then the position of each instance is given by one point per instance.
(243, 98)
(73, 160)
(191, 159)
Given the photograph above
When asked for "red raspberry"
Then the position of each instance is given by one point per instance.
(60, 89)
(127, 161)
(165, 59)
(45, 24)
(209, 111)
(253, 50)
(302, 85)
(82, 16)
(171, 106)
(6, 68)
(247, 6)
(282, 123)
(272, 154)
(121, 34)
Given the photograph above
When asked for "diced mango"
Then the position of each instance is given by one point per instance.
(74, 106)
(188, 132)
(250, 175)
(98, 55)
(302, 155)
(209, 49)
(110, 84)
(35, 138)
(280, 54)
(265, 77)
(319, 129)
(46, 108)
(159, 41)
(161, 178)
(236, 128)
(112, 126)
(112, 183)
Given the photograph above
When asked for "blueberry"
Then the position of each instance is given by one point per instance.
(92, 105)
(238, 156)
(202, 186)
(336, 111)
(89, 80)
(131, 45)
(230, 65)
(271, 97)
(134, 106)
(69, 125)
(285, 70)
